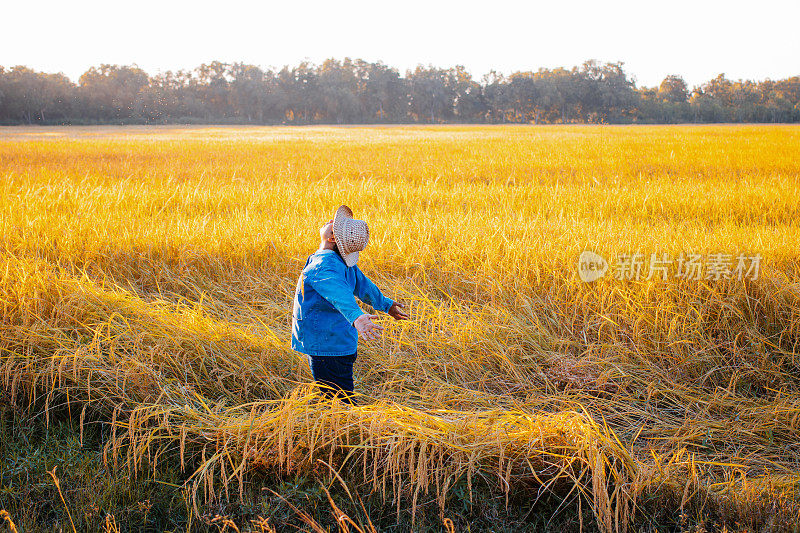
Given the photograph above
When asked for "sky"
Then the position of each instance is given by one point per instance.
(696, 39)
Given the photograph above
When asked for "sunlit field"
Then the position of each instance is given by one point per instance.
(146, 283)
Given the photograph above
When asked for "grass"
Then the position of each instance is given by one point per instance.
(95, 495)
(147, 275)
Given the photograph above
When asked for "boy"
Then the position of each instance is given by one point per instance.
(326, 318)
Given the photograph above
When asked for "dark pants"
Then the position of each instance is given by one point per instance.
(334, 375)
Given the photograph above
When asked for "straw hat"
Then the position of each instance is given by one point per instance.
(351, 235)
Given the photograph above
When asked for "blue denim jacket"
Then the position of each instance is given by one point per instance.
(325, 307)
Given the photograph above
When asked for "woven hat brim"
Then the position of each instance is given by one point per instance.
(343, 213)
(343, 227)
(351, 259)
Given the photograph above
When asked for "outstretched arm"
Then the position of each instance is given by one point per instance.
(368, 292)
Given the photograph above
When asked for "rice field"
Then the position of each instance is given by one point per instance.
(147, 277)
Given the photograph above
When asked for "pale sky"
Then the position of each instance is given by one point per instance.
(696, 39)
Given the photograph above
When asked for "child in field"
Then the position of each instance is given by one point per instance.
(326, 318)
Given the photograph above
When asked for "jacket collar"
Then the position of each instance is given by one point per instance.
(334, 252)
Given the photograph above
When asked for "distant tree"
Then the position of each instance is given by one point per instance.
(213, 88)
(248, 92)
(338, 86)
(357, 91)
(301, 86)
(495, 96)
(567, 93)
(109, 92)
(520, 98)
(708, 101)
(34, 97)
(381, 92)
(173, 96)
(605, 92)
(469, 103)
(673, 90)
(781, 99)
(431, 94)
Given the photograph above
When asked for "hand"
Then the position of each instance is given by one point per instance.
(366, 327)
(396, 313)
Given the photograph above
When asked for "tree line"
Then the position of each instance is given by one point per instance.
(360, 92)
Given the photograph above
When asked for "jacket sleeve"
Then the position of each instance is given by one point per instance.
(369, 293)
(331, 285)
